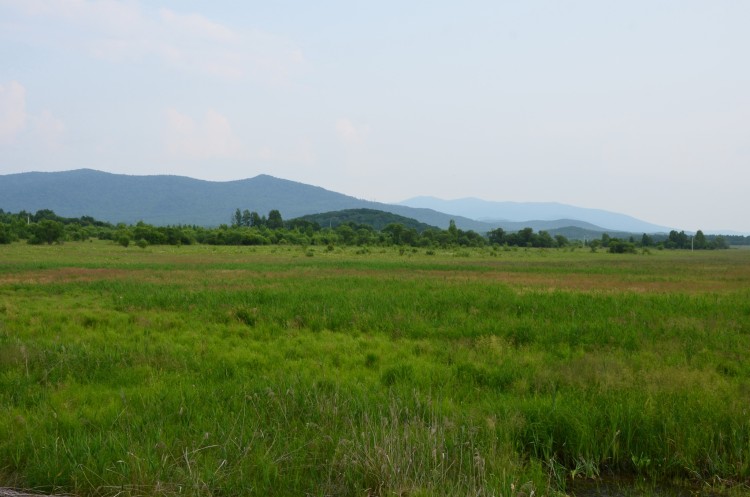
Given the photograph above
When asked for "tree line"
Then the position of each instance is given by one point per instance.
(250, 228)
(673, 240)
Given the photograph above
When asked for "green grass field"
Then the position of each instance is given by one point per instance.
(224, 371)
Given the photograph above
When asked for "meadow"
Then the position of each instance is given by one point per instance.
(228, 371)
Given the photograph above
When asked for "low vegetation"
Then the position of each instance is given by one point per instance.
(214, 370)
(354, 227)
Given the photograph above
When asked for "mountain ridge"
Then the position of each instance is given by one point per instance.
(497, 212)
(168, 199)
(173, 199)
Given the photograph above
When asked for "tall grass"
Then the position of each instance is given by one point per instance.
(205, 371)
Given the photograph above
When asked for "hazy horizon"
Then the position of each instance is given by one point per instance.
(637, 108)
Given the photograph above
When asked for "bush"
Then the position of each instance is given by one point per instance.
(46, 231)
(621, 247)
(6, 235)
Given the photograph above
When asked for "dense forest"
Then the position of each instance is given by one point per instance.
(371, 217)
(371, 228)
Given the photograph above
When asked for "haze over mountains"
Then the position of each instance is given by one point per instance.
(499, 212)
(165, 200)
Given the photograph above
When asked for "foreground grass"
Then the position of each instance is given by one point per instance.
(278, 371)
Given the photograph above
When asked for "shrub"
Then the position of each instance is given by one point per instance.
(6, 236)
(621, 247)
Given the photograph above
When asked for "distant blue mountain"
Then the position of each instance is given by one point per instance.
(163, 200)
(509, 213)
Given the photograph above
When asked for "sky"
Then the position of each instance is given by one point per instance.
(640, 107)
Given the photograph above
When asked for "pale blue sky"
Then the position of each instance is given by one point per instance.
(640, 107)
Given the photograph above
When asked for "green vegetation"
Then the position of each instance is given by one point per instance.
(371, 218)
(360, 227)
(317, 370)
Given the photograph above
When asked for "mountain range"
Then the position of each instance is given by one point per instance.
(505, 212)
(163, 200)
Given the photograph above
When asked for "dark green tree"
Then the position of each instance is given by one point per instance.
(6, 235)
(44, 214)
(719, 243)
(617, 246)
(497, 236)
(409, 236)
(526, 237)
(345, 233)
(561, 241)
(364, 235)
(699, 241)
(255, 220)
(543, 239)
(394, 230)
(677, 240)
(453, 230)
(47, 231)
(246, 218)
(470, 239)
(274, 220)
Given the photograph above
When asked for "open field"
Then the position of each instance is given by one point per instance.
(223, 371)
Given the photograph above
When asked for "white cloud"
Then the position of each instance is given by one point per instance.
(105, 16)
(12, 110)
(122, 31)
(197, 25)
(348, 132)
(44, 128)
(210, 138)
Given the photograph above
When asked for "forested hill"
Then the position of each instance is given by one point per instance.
(370, 217)
(170, 200)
